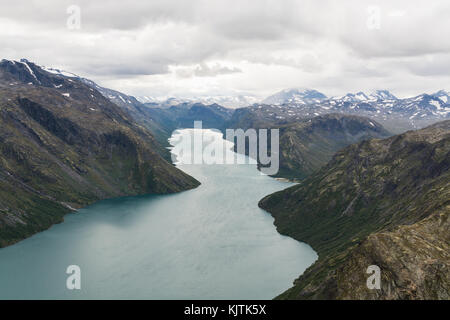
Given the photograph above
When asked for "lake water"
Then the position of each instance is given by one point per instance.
(212, 242)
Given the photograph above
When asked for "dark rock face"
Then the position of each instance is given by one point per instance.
(63, 145)
(183, 116)
(378, 202)
(63, 128)
(308, 144)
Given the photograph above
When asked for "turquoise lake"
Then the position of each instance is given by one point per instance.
(212, 242)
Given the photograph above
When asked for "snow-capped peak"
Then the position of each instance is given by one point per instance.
(229, 101)
(382, 95)
(59, 72)
(25, 63)
(295, 95)
(443, 95)
(352, 97)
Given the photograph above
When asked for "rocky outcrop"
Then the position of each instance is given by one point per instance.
(414, 261)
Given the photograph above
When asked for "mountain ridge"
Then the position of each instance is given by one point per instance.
(375, 192)
(63, 145)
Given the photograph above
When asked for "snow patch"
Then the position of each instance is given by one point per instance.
(29, 70)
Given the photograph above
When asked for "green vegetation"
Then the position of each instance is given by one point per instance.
(375, 192)
(63, 146)
(308, 144)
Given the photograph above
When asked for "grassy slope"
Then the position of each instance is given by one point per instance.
(58, 152)
(368, 188)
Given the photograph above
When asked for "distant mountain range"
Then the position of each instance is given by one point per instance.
(288, 110)
(238, 101)
(285, 107)
(436, 104)
(301, 96)
(305, 96)
(396, 114)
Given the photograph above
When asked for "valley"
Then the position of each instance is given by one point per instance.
(209, 242)
(371, 188)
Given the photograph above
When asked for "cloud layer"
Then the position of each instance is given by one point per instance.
(201, 47)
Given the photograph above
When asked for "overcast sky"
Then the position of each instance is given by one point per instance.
(210, 47)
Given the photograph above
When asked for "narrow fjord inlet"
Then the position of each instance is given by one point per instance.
(212, 242)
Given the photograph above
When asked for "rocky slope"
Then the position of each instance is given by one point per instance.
(378, 202)
(63, 145)
(161, 119)
(183, 116)
(308, 144)
(139, 112)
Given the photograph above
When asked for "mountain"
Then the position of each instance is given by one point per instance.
(237, 101)
(295, 95)
(160, 117)
(164, 103)
(231, 101)
(377, 202)
(308, 145)
(353, 97)
(378, 95)
(63, 145)
(183, 116)
(442, 95)
(124, 101)
(382, 95)
(396, 115)
(136, 109)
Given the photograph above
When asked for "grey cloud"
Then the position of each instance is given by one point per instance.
(140, 38)
(203, 70)
(421, 29)
(429, 65)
